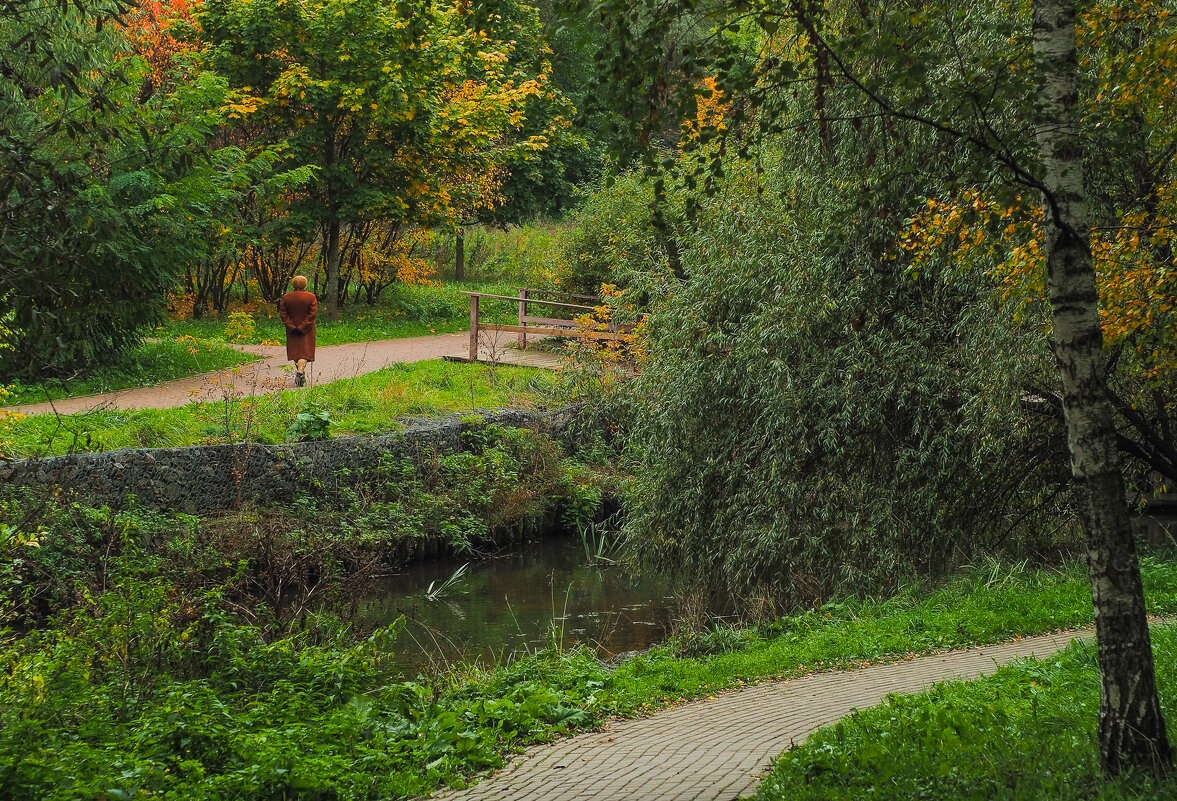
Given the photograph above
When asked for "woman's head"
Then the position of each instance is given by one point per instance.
(299, 282)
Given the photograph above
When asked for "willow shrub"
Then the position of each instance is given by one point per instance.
(612, 235)
(814, 419)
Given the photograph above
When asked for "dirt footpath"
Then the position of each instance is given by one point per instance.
(272, 373)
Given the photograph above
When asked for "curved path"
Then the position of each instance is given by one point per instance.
(717, 749)
(273, 373)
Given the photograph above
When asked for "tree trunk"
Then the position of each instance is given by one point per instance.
(460, 255)
(1131, 728)
(332, 287)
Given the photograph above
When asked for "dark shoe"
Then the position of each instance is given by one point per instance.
(300, 379)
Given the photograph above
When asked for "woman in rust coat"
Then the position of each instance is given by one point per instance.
(297, 310)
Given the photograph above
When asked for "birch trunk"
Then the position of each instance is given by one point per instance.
(1131, 727)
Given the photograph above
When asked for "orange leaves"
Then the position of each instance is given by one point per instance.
(383, 258)
(1137, 80)
(241, 105)
(622, 353)
(969, 223)
(1137, 284)
(150, 30)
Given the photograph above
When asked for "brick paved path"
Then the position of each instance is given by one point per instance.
(716, 750)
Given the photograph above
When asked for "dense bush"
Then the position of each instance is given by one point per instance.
(106, 188)
(612, 237)
(812, 417)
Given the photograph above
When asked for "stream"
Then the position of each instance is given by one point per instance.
(518, 603)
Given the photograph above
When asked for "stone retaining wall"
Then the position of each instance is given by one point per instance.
(215, 477)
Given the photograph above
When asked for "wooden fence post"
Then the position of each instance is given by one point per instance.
(473, 329)
(522, 339)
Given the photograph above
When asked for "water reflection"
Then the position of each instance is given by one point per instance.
(518, 603)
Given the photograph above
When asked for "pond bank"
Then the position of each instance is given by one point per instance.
(206, 707)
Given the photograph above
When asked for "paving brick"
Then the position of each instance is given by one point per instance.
(716, 750)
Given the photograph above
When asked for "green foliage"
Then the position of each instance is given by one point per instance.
(602, 545)
(546, 185)
(1024, 733)
(612, 239)
(502, 487)
(823, 420)
(168, 698)
(284, 562)
(819, 412)
(240, 328)
(312, 423)
(396, 142)
(107, 190)
(155, 687)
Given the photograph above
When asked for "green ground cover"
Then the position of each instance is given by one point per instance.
(988, 604)
(197, 705)
(367, 404)
(151, 362)
(1026, 732)
(402, 311)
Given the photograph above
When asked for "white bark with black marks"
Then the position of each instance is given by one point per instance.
(1131, 727)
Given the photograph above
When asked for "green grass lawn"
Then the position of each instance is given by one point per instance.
(1026, 732)
(152, 362)
(368, 404)
(402, 311)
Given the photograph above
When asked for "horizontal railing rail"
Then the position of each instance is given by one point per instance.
(531, 324)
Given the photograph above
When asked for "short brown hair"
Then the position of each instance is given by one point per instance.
(299, 282)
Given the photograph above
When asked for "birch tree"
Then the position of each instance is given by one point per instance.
(1131, 728)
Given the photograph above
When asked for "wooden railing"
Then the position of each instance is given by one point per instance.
(532, 324)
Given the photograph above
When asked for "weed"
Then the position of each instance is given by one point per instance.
(312, 423)
(240, 328)
(602, 541)
(436, 591)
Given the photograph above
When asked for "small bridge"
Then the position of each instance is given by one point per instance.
(487, 343)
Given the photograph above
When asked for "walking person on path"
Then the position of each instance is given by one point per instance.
(297, 310)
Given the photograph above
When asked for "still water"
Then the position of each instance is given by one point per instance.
(518, 603)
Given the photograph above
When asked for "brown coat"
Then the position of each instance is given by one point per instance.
(297, 310)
